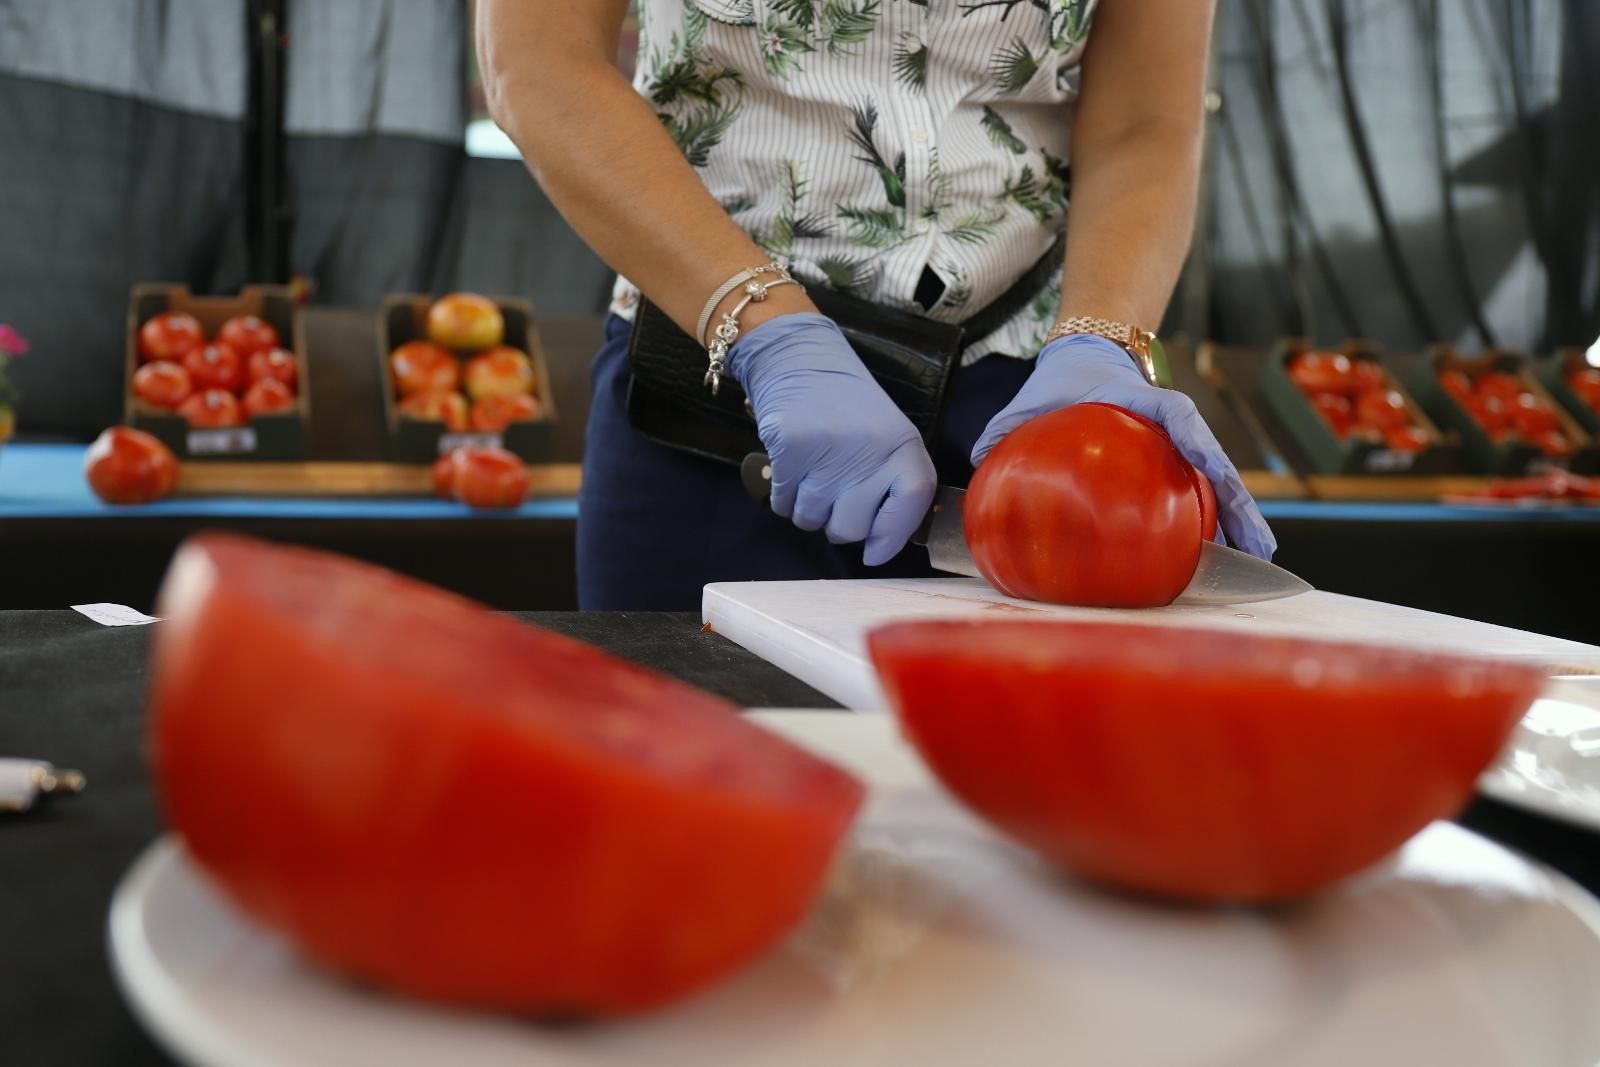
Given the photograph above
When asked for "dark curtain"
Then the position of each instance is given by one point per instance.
(1406, 171)
(122, 160)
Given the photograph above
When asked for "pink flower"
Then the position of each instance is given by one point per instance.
(12, 343)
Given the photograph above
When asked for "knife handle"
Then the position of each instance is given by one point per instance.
(756, 474)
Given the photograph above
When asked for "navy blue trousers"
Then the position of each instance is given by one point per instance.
(655, 524)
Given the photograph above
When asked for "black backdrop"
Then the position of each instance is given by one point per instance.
(1403, 170)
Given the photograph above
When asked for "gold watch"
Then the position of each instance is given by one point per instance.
(1142, 346)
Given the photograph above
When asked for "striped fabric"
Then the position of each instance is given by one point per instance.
(869, 142)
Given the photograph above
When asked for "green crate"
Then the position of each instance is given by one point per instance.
(1552, 373)
(1331, 454)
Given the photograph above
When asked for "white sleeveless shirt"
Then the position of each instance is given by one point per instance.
(868, 141)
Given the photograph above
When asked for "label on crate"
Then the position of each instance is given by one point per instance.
(449, 442)
(1387, 461)
(222, 442)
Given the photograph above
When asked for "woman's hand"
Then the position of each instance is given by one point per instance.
(844, 458)
(1083, 368)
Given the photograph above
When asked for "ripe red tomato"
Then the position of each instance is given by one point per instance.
(489, 478)
(449, 803)
(1553, 443)
(247, 335)
(268, 396)
(501, 371)
(1088, 505)
(1586, 383)
(1335, 411)
(276, 363)
(465, 321)
(421, 367)
(1505, 387)
(128, 466)
(1456, 384)
(1488, 412)
(216, 366)
(162, 384)
(494, 413)
(444, 476)
(171, 335)
(1321, 372)
(435, 406)
(1405, 438)
(1530, 417)
(1367, 375)
(1200, 764)
(1383, 409)
(212, 408)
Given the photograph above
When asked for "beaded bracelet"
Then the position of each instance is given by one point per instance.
(727, 330)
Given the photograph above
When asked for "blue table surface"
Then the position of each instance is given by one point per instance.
(40, 481)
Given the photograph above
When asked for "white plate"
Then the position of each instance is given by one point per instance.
(938, 944)
(1551, 766)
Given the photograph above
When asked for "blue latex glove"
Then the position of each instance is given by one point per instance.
(844, 458)
(1081, 368)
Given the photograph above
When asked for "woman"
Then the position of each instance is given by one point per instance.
(917, 153)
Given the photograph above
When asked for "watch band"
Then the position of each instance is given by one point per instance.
(1142, 346)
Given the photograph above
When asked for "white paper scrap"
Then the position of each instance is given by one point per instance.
(114, 614)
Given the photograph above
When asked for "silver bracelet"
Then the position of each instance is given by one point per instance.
(727, 330)
(727, 287)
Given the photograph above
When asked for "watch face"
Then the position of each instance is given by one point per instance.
(1159, 364)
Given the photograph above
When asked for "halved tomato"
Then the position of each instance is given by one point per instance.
(442, 800)
(1197, 764)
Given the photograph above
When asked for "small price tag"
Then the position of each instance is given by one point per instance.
(222, 442)
(449, 442)
(1387, 461)
(114, 614)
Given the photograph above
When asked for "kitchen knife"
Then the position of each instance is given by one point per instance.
(1223, 576)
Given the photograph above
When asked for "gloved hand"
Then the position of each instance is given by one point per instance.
(843, 456)
(1081, 368)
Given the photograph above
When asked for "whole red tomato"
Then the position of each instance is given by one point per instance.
(267, 397)
(436, 406)
(247, 335)
(1456, 384)
(1586, 383)
(494, 413)
(211, 409)
(489, 478)
(1498, 384)
(1531, 417)
(171, 335)
(1202, 764)
(278, 363)
(1367, 375)
(1488, 412)
(438, 799)
(162, 384)
(1554, 443)
(444, 476)
(501, 371)
(1087, 505)
(1405, 438)
(128, 466)
(1321, 372)
(1382, 409)
(216, 366)
(466, 322)
(422, 367)
(1335, 411)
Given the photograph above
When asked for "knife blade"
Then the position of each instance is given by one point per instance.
(1223, 576)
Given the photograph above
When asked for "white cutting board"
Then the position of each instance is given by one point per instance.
(816, 630)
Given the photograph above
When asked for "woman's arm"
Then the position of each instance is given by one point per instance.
(1136, 142)
(605, 160)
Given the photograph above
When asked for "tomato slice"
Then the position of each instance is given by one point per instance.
(439, 799)
(1197, 764)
